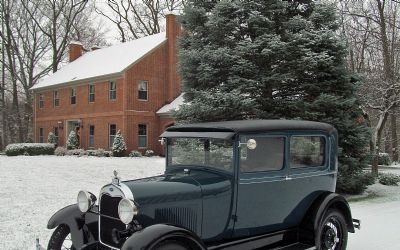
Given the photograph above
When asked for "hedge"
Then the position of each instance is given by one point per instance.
(30, 149)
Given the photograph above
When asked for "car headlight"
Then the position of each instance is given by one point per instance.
(85, 200)
(127, 210)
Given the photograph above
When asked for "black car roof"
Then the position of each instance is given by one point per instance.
(252, 126)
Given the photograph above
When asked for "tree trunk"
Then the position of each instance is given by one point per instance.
(393, 127)
(377, 141)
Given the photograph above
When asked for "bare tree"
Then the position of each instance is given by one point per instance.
(371, 28)
(137, 18)
(56, 22)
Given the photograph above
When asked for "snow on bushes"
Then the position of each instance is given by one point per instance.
(149, 153)
(119, 145)
(51, 138)
(72, 142)
(30, 149)
(60, 151)
(135, 153)
(389, 179)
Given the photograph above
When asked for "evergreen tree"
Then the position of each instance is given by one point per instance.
(271, 60)
(72, 141)
(51, 138)
(119, 145)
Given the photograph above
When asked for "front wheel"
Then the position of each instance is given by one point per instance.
(61, 239)
(332, 232)
(170, 245)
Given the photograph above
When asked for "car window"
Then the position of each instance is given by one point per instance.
(268, 155)
(209, 152)
(307, 151)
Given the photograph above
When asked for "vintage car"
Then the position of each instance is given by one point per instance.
(227, 185)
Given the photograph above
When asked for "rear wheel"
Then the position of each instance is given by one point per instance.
(61, 239)
(170, 245)
(332, 232)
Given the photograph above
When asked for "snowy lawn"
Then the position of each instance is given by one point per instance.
(32, 188)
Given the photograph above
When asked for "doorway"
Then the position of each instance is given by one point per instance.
(74, 125)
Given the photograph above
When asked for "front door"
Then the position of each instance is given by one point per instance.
(262, 202)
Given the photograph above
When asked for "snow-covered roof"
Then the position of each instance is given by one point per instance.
(173, 106)
(102, 62)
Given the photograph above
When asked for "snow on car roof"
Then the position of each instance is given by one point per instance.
(103, 62)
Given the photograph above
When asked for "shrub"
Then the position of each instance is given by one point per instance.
(78, 152)
(355, 183)
(72, 142)
(135, 153)
(51, 138)
(96, 152)
(29, 140)
(60, 151)
(149, 153)
(383, 159)
(107, 153)
(389, 179)
(29, 149)
(119, 146)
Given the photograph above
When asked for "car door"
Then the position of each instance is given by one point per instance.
(262, 193)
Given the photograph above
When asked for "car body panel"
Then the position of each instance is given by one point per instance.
(226, 209)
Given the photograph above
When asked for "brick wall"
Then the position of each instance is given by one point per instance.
(127, 111)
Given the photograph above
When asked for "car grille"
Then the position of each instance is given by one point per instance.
(109, 220)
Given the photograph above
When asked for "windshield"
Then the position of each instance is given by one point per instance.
(201, 152)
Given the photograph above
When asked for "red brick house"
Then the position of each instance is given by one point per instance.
(129, 87)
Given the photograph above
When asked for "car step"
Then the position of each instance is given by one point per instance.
(297, 246)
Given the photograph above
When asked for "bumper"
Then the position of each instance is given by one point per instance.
(357, 224)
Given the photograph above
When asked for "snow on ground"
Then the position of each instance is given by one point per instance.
(33, 188)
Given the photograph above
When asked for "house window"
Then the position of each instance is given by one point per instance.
(142, 136)
(91, 93)
(142, 90)
(73, 95)
(112, 91)
(91, 136)
(41, 140)
(56, 98)
(41, 101)
(112, 131)
(307, 151)
(55, 131)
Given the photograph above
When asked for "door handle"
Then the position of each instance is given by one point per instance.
(287, 178)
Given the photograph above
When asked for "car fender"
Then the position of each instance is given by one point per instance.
(150, 236)
(83, 226)
(320, 206)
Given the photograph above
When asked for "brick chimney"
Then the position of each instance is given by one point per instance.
(173, 30)
(75, 50)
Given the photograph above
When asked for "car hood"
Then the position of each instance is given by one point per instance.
(177, 187)
(164, 189)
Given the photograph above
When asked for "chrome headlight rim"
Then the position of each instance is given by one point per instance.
(127, 210)
(85, 200)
